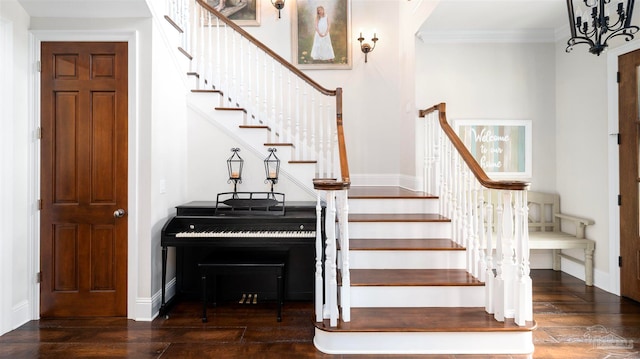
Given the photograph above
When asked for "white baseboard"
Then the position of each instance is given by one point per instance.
(20, 314)
(147, 309)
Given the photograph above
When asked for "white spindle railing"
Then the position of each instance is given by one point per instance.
(489, 218)
(296, 110)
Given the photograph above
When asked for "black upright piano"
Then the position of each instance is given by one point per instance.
(203, 228)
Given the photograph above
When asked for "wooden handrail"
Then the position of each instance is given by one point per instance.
(344, 164)
(474, 166)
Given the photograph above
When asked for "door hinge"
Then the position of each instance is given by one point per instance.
(619, 200)
(39, 205)
(620, 261)
(39, 133)
(39, 277)
(618, 76)
(39, 68)
(618, 135)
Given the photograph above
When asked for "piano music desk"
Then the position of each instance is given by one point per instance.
(218, 265)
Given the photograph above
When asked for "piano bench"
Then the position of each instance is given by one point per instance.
(225, 263)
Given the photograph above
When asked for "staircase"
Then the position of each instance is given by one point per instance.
(410, 291)
(407, 285)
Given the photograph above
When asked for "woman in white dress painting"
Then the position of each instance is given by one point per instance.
(322, 49)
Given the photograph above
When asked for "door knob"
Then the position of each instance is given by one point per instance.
(119, 213)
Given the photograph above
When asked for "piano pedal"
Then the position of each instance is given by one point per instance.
(248, 299)
(244, 296)
(255, 298)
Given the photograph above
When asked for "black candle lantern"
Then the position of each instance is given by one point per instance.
(234, 166)
(272, 167)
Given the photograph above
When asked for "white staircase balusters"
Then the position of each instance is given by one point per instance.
(495, 237)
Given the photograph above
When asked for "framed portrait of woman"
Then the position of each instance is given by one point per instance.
(321, 34)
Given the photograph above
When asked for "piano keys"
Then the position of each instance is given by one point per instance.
(198, 230)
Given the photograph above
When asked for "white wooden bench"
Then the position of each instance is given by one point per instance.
(545, 232)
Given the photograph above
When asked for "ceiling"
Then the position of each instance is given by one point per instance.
(541, 20)
(86, 8)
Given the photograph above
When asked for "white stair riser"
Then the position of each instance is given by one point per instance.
(393, 205)
(424, 342)
(387, 230)
(416, 296)
(407, 259)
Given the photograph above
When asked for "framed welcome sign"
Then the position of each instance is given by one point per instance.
(501, 147)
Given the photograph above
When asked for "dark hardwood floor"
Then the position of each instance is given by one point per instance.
(574, 321)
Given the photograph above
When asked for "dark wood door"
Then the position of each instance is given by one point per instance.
(83, 240)
(629, 126)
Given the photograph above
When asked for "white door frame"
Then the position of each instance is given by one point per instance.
(6, 174)
(614, 162)
(131, 37)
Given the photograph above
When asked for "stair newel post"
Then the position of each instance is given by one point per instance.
(319, 287)
(490, 277)
(331, 279)
(499, 286)
(345, 288)
(524, 309)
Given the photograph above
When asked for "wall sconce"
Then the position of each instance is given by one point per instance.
(278, 4)
(272, 167)
(234, 166)
(366, 48)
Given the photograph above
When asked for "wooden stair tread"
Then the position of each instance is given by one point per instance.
(433, 319)
(397, 217)
(397, 244)
(412, 277)
(382, 192)
(206, 91)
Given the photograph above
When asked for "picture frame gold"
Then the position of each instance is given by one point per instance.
(305, 41)
(241, 12)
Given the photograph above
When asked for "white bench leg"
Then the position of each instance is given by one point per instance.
(557, 261)
(588, 265)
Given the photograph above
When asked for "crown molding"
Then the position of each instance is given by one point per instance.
(488, 36)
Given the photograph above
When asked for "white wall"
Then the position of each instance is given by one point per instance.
(495, 81)
(583, 145)
(15, 207)
(168, 146)
(378, 126)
